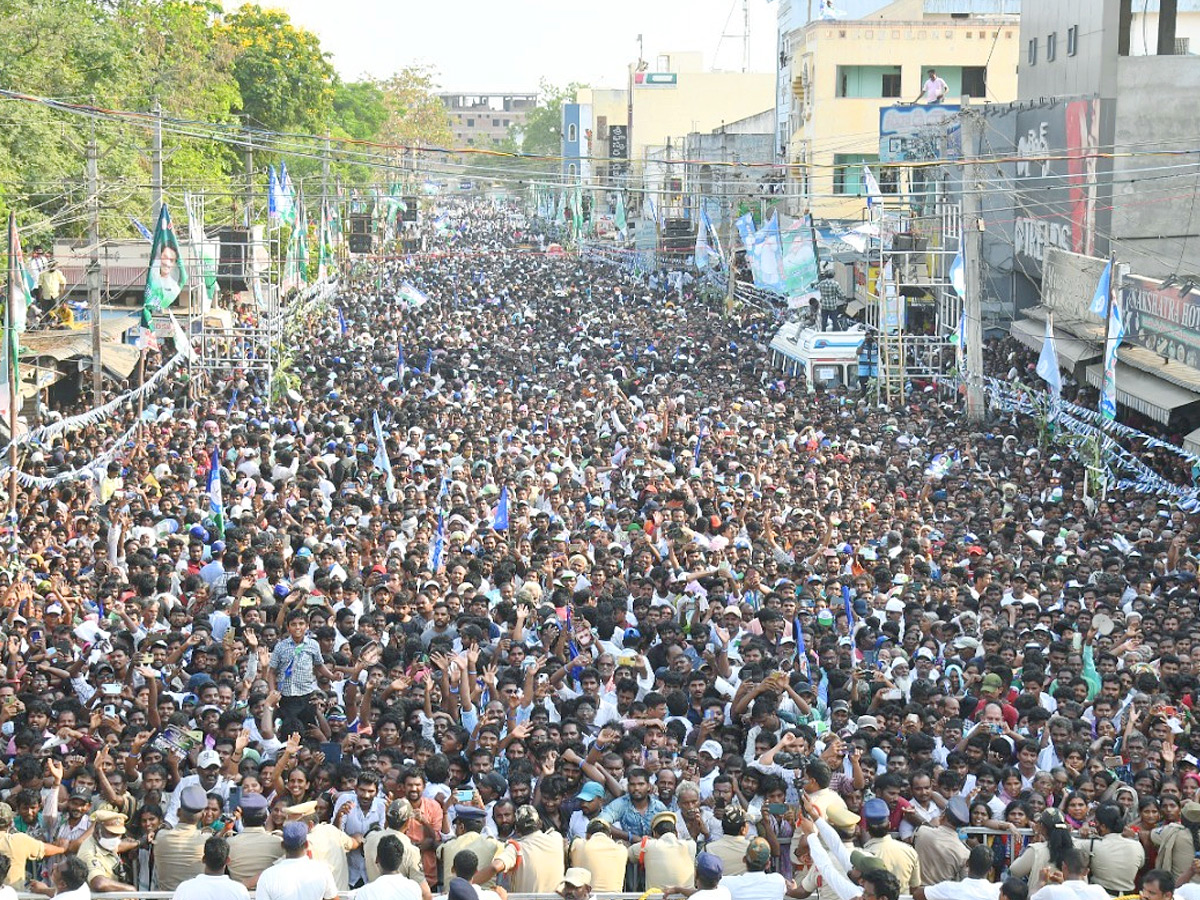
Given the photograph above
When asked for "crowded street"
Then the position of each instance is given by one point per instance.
(549, 583)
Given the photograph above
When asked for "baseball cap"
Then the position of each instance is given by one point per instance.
(592, 790)
(713, 749)
(208, 759)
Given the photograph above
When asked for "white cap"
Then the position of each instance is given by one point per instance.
(713, 749)
(207, 759)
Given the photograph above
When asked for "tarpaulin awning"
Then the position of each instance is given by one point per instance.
(1071, 352)
(1146, 393)
(1167, 369)
(1191, 443)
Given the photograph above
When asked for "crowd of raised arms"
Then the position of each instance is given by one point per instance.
(615, 607)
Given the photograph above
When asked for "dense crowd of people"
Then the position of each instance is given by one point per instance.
(544, 582)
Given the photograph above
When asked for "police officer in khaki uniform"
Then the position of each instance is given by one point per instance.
(897, 857)
(254, 848)
(468, 835)
(602, 856)
(100, 852)
(730, 848)
(179, 851)
(399, 814)
(533, 861)
(667, 859)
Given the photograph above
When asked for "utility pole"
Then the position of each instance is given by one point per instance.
(972, 238)
(93, 267)
(156, 163)
(325, 175)
(248, 164)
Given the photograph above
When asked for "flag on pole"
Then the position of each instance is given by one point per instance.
(400, 364)
(428, 361)
(382, 461)
(958, 274)
(874, 194)
(201, 250)
(23, 288)
(438, 541)
(849, 605)
(1099, 304)
(619, 218)
(1047, 364)
(272, 194)
(411, 296)
(959, 340)
(1116, 332)
(801, 647)
(9, 359)
(703, 255)
(216, 502)
(286, 203)
(342, 321)
(167, 276)
(142, 229)
(500, 520)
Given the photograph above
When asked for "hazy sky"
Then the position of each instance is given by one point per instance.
(500, 45)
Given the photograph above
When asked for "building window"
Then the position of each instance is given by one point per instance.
(1072, 40)
(572, 133)
(974, 81)
(868, 81)
(470, 123)
(495, 123)
(848, 172)
(1033, 51)
(1051, 46)
(571, 169)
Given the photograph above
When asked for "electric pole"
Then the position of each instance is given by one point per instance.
(156, 163)
(93, 267)
(248, 163)
(972, 237)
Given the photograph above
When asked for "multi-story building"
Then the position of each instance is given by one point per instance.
(836, 77)
(647, 123)
(484, 120)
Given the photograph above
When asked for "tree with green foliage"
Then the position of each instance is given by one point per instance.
(286, 80)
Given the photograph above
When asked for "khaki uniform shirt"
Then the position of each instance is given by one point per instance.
(668, 861)
(942, 855)
(731, 850)
(899, 858)
(538, 867)
(1115, 861)
(604, 858)
(251, 852)
(483, 846)
(178, 855)
(98, 860)
(19, 848)
(330, 845)
(410, 867)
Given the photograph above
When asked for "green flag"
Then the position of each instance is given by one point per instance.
(166, 276)
(619, 218)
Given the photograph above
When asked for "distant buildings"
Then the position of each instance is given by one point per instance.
(483, 120)
(835, 75)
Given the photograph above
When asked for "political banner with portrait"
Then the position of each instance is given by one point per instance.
(167, 275)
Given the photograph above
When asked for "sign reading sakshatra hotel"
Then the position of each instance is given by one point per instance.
(1164, 320)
